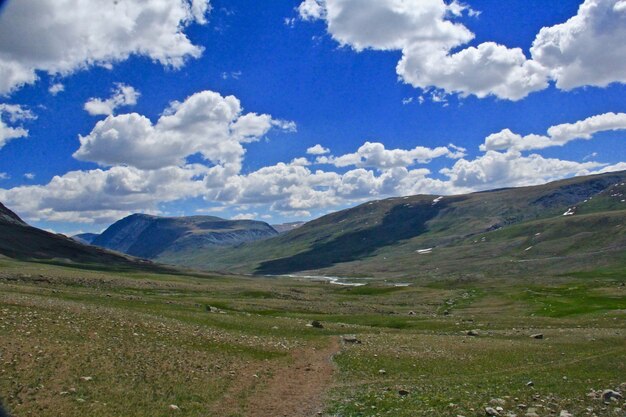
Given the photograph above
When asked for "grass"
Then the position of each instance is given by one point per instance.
(103, 343)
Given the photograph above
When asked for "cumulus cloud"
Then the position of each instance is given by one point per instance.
(375, 155)
(505, 169)
(10, 117)
(586, 50)
(205, 123)
(317, 150)
(101, 196)
(63, 36)
(146, 164)
(122, 96)
(56, 88)
(558, 135)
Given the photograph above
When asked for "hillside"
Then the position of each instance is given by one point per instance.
(18, 240)
(495, 232)
(151, 236)
(86, 238)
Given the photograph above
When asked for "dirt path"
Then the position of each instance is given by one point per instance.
(294, 390)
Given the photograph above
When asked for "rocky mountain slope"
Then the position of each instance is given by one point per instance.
(20, 241)
(562, 226)
(151, 236)
(86, 238)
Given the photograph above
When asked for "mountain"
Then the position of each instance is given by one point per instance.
(8, 217)
(20, 241)
(86, 238)
(151, 237)
(567, 225)
(287, 227)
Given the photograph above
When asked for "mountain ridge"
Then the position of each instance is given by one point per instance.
(383, 237)
(148, 236)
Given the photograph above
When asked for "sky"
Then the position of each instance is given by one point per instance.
(286, 110)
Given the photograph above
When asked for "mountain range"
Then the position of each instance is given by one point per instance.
(560, 227)
(20, 241)
(567, 225)
(149, 237)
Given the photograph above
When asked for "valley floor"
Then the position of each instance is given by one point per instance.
(77, 342)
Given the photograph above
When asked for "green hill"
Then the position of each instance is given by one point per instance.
(150, 236)
(496, 232)
(20, 241)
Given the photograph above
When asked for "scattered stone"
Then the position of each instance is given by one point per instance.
(565, 413)
(382, 371)
(472, 333)
(411, 313)
(403, 392)
(531, 412)
(609, 394)
(491, 411)
(86, 378)
(537, 336)
(497, 401)
(530, 384)
(351, 339)
(446, 313)
(316, 324)
(174, 407)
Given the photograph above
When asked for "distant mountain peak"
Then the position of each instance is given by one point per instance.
(8, 216)
(149, 236)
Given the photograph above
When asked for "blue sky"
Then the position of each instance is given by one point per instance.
(196, 107)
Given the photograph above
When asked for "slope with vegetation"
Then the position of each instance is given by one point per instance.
(486, 233)
(149, 236)
(18, 240)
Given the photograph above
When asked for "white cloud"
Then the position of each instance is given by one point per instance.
(374, 155)
(497, 169)
(99, 196)
(311, 9)
(29, 176)
(586, 50)
(63, 36)
(10, 115)
(205, 123)
(4, 176)
(147, 165)
(317, 150)
(245, 216)
(56, 88)
(558, 135)
(122, 96)
(488, 69)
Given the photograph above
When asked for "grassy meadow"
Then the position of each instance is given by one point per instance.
(102, 343)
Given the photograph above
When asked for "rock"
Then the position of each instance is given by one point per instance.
(530, 384)
(491, 411)
(472, 333)
(565, 413)
(446, 313)
(174, 407)
(351, 339)
(531, 412)
(86, 378)
(537, 336)
(382, 371)
(497, 401)
(403, 392)
(316, 324)
(609, 394)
